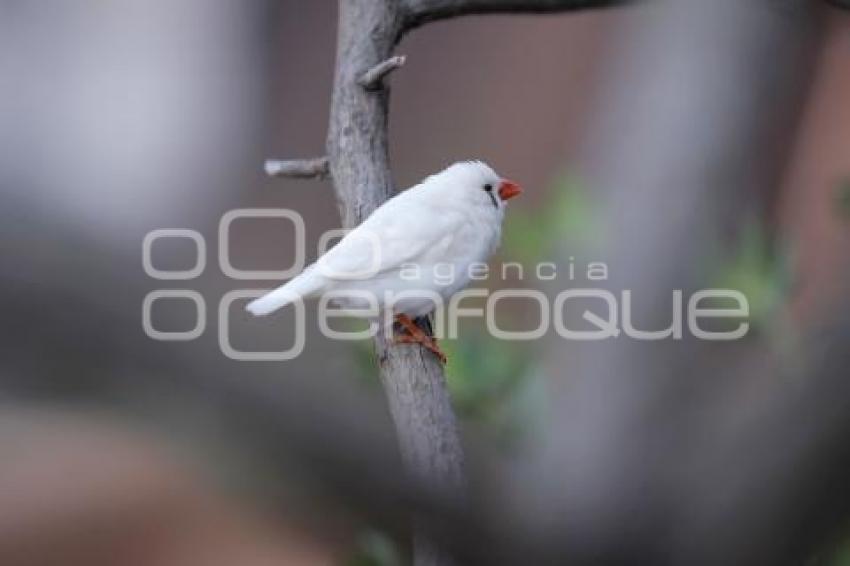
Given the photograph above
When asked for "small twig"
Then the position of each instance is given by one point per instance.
(317, 168)
(374, 77)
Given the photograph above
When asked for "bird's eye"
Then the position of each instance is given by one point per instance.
(488, 187)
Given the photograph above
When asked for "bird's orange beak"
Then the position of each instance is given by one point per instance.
(508, 189)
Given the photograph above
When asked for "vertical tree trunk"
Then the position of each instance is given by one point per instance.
(358, 151)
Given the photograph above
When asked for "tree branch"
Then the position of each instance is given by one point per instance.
(317, 168)
(357, 147)
(373, 78)
(419, 12)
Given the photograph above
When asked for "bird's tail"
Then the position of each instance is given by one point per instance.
(302, 287)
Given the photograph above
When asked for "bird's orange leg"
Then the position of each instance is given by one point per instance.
(416, 335)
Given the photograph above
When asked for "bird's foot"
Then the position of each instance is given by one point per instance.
(416, 335)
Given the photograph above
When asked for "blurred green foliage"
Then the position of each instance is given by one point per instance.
(761, 271)
(842, 199)
(375, 549)
(841, 556)
(481, 372)
(494, 384)
(566, 214)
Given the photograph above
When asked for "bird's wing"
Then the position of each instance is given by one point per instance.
(401, 231)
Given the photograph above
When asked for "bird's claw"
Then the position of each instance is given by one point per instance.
(416, 335)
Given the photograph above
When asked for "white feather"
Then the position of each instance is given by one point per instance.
(303, 286)
(446, 219)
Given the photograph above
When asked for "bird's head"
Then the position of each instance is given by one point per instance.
(478, 185)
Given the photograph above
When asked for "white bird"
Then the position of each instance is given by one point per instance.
(399, 258)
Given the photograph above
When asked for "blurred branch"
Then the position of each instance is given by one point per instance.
(785, 495)
(419, 12)
(298, 168)
(373, 78)
(701, 147)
